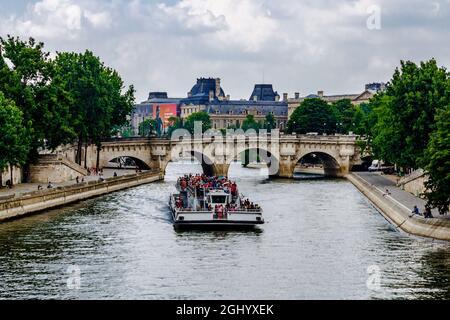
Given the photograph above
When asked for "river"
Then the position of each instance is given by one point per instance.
(322, 240)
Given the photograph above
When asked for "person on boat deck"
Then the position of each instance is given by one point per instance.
(233, 189)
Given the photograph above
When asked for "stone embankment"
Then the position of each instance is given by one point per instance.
(395, 207)
(34, 202)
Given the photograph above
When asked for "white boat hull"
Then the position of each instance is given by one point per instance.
(238, 219)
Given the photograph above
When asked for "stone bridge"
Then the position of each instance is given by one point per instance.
(281, 152)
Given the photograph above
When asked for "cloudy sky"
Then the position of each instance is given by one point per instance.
(299, 46)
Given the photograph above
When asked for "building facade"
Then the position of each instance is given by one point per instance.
(157, 103)
(208, 96)
(356, 99)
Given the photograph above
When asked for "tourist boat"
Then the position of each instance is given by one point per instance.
(216, 206)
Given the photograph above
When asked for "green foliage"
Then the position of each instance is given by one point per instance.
(26, 74)
(437, 163)
(174, 124)
(98, 103)
(250, 123)
(147, 127)
(14, 135)
(405, 112)
(74, 95)
(202, 117)
(313, 115)
(270, 122)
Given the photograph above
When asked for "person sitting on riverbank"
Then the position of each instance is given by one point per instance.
(427, 213)
(50, 185)
(415, 211)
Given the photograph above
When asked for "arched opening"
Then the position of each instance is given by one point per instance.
(254, 163)
(205, 162)
(189, 162)
(363, 165)
(127, 163)
(316, 164)
(176, 169)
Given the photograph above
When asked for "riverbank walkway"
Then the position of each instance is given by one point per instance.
(396, 194)
(24, 188)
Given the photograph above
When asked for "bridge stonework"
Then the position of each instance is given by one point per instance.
(338, 153)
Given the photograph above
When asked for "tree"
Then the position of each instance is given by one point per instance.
(437, 163)
(250, 123)
(270, 122)
(313, 115)
(345, 115)
(202, 117)
(147, 127)
(174, 124)
(14, 136)
(26, 77)
(405, 112)
(98, 104)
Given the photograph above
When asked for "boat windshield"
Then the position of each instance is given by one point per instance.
(218, 199)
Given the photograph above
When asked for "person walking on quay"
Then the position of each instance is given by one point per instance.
(77, 180)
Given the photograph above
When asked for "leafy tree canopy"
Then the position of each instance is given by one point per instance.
(313, 115)
(202, 117)
(437, 163)
(14, 135)
(406, 110)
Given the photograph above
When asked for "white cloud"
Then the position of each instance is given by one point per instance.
(54, 19)
(299, 45)
(98, 19)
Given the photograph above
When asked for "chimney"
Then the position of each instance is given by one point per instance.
(285, 96)
(217, 87)
(255, 98)
(320, 94)
(189, 94)
(297, 95)
(277, 98)
(211, 95)
(228, 97)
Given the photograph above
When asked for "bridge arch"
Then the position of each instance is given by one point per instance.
(258, 154)
(208, 166)
(330, 162)
(127, 162)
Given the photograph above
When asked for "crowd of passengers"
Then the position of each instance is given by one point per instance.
(201, 182)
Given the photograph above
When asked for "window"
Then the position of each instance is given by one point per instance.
(218, 199)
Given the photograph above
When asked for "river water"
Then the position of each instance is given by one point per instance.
(322, 240)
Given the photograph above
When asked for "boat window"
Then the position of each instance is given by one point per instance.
(218, 199)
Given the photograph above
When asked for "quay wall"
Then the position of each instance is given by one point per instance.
(35, 202)
(414, 183)
(399, 215)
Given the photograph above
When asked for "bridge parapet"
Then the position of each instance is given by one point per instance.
(339, 152)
